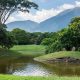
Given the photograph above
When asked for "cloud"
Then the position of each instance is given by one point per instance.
(42, 14)
(77, 3)
(44, 0)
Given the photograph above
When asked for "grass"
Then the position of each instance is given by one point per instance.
(8, 77)
(29, 50)
(8, 54)
(73, 54)
(35, 50)
(22, 51)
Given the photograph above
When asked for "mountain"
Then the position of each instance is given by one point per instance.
(26, 25)
(60, 21)
(50, 25)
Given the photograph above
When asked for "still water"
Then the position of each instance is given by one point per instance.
(29, 67)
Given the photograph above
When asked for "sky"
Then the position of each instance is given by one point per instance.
(47, 9)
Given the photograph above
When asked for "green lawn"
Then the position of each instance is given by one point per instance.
(22, 50)
(30, 50)
(73, 54)
(8, 54)
(8, 77)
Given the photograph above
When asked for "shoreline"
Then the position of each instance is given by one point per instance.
(60, 57)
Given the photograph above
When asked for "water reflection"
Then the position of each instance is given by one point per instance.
(31, 69)
(28, 67)
(65, 69)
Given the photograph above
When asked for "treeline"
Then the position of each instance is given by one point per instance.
(65, 39)
(23, 37)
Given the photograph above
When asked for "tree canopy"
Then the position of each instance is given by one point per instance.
(66, 38)
(7, 40)
(71, 38)
(7, 7)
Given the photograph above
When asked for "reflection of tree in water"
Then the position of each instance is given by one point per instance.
(29, 66)
(8, 67)
(3, 68)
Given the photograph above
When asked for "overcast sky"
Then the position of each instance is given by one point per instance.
(47, 9)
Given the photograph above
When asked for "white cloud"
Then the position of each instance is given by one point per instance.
(77, 3)
(44, 0)
(43, 14)
(11, 18)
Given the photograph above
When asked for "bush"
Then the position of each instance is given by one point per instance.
(56, 46)
(47, 41)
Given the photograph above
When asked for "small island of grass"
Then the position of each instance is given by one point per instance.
(62, 56)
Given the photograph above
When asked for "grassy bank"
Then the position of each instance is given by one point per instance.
(8, 54)
(29, 50)
(8, 77)
(22, 50)
(73, 54)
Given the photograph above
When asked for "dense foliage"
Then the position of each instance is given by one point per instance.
(6, 39)
(23, 38)
(66, 39)
(7, 7)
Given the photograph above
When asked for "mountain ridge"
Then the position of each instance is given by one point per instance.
(52, 24)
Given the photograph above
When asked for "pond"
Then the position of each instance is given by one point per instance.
(29, 67)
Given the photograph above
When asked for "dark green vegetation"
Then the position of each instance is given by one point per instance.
(6, 39)
(24, 38)
(7, 77)
(7, 7)
(20, 37)
(66, 39)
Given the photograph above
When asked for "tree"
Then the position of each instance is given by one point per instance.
(6, 39)
(7, 7)
(47, 41)
(71, 38)
(66, 38)
(42, 36)
(2, 34)
(21, 36)
(9, 41)
(55, 46)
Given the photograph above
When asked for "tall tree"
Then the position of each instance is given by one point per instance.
(7, 7)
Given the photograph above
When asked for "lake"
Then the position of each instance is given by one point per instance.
(28, 67)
